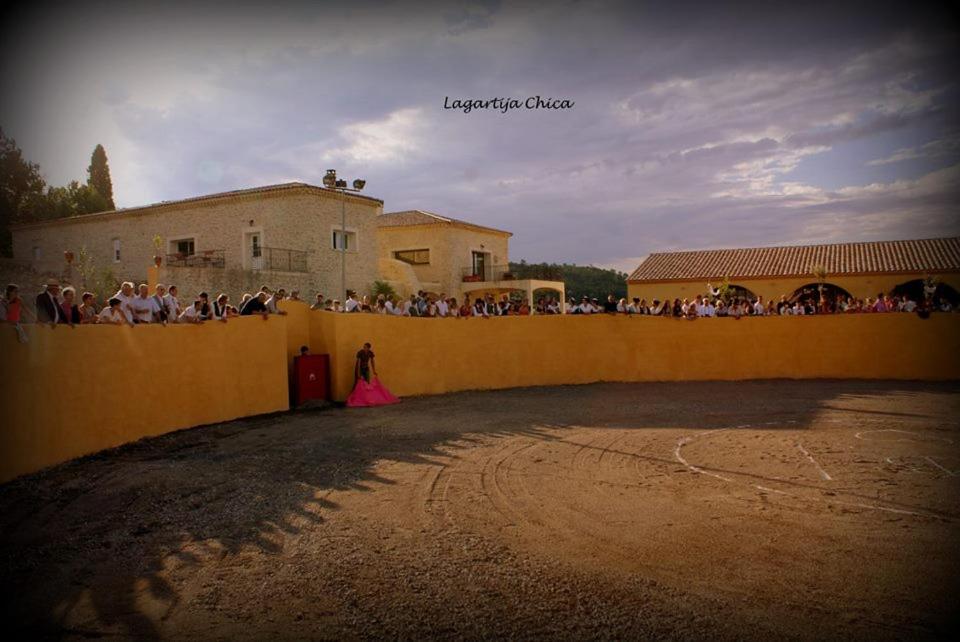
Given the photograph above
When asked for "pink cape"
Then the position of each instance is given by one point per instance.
(370, 394)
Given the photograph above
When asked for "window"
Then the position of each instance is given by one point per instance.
(116, 250)
(413, 257)
(186, 247)
(36, 253)
(348, 242)
(255, 247)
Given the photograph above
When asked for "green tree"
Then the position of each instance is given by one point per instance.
(578, 280)
(99, 175)
(21, 190)
(72, 200)
(382, 287)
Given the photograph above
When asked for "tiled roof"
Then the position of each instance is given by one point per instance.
(421, 217)
(927, 255)
(281, 187)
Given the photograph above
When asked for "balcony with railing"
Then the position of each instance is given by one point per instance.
(203, 258)
(275, 259)
(482, 273)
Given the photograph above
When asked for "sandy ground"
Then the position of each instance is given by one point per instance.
(789, 510)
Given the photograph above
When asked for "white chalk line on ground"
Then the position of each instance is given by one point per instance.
(860, 435)
(686, 440)
(949, 472)
(816, 464)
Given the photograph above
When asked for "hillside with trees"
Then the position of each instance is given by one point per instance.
(579, 280)
(25, 196)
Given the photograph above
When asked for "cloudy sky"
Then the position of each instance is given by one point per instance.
(693, 127)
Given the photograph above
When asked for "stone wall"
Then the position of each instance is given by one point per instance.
(297, 217)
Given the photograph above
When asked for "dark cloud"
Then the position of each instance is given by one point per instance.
(690, 118)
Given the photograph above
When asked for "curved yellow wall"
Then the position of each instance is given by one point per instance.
(432, 356)
(74, 391)
(70, 392)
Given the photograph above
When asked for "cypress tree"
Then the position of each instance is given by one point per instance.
(99, 175)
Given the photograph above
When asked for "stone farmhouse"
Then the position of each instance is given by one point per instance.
(421, 250)
(286, 235)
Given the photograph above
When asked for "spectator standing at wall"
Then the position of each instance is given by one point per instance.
(172, 304)
(126, 294)
(255, 305)
(352, 305)
(48, 304)
(193, 313)
(220, 308)
(88, 308)
(114, 314)
(161, 315)
(12, 309)
(71, 313)
(143, 307)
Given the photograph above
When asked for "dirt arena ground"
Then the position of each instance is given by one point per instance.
(760, 510)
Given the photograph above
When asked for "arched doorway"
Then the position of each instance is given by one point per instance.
(915, 290)
(812, 292)
(732, 292)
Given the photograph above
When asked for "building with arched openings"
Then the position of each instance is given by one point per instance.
(860, 270)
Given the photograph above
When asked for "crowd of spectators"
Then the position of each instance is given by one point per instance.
(133, 305)
(710, 305)
(423, 304)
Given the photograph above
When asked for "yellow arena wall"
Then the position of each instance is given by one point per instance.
(433, 356)
(71, 392)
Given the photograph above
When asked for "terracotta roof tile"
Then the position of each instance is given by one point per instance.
(926, 255)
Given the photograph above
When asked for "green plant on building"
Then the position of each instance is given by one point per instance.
(819, 272)
(101, 282)
(382, 287)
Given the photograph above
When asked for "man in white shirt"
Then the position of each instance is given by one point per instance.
(112, 313)
(172, 304)
(909, 305)
(585, 307)
(158, 297)
(698, 304)
(126, 294)
(758, 308)
(443, 308)
(708, 309)
(143, 307)
(352, 304)
(798, 309)
(192, 313)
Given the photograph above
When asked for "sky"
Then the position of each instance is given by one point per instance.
(693, 126)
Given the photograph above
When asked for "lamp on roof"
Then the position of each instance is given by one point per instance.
(330, 181)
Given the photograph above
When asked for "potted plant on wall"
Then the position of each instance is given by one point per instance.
(820, 274)
(157, 257)
(930, 285)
